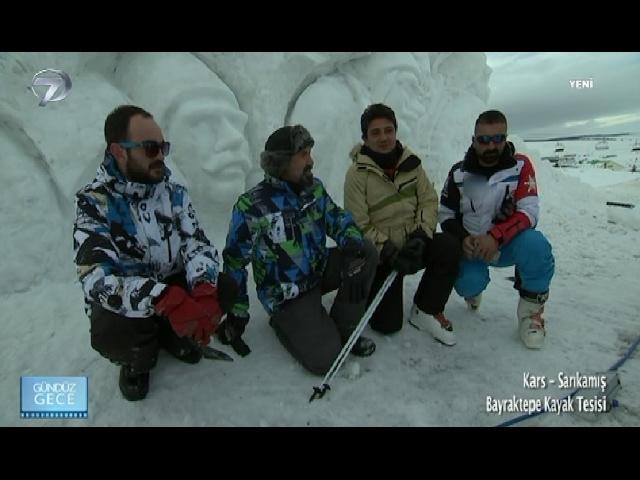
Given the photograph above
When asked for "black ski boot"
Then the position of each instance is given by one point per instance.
(133, 385)
(363, 347)
(184, 349)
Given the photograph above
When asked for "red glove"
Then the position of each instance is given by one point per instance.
(207, 297)
(186, 316)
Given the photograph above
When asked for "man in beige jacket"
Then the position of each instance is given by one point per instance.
(394, 203)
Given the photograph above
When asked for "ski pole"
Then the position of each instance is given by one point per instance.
(318, 392)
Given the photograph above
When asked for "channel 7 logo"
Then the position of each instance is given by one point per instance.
(57, 82)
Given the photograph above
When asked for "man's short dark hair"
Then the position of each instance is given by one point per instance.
(490, 117)
(116, 126)
(377, 110)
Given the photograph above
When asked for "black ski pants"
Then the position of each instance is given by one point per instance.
(441, 261)
(310, 335)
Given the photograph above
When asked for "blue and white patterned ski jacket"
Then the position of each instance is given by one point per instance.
(129, 236)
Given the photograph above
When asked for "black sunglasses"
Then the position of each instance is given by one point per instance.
(151, 147)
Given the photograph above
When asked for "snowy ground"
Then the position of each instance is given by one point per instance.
(592, 318)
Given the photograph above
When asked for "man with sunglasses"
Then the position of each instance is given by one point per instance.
(490, 202)
(393, 201)
(148, 273)
(281, 227)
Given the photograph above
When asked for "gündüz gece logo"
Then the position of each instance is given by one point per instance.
(57, 82)
(53, 397)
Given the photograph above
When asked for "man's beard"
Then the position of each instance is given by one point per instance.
(306, 180)
(490, 157)
(139, 174)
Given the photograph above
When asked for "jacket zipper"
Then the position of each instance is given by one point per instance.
(168, 242)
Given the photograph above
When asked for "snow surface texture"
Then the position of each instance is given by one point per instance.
(218, 109)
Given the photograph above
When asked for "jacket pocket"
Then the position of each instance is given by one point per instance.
(276, 227)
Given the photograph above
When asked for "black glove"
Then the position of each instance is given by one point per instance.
(410, 259)
(389, 253)
(507, 208)
(421, 234)
(227, 291)
(354, 278)
(230, 333)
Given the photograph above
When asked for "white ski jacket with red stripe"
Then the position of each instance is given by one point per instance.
(501, 200)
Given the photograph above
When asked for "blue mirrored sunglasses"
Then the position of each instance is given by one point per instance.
(487, 139)
(151, 147)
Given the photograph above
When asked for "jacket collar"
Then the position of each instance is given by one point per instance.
(109, 174)
(408, 160)
(280, 184)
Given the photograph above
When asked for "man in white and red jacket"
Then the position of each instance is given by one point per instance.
(490, 202)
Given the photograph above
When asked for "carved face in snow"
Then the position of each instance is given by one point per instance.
(207, 131)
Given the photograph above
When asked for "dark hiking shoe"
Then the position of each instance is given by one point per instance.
(363, 347)
(184, 350)
(133, 385)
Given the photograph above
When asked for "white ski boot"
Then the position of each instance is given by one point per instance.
(531, 323)
(437, 325)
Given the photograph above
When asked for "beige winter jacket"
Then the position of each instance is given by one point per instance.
(386, 209)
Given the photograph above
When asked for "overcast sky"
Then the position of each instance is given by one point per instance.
(533, 89)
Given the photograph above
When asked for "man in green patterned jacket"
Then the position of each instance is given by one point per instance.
(281, 227)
